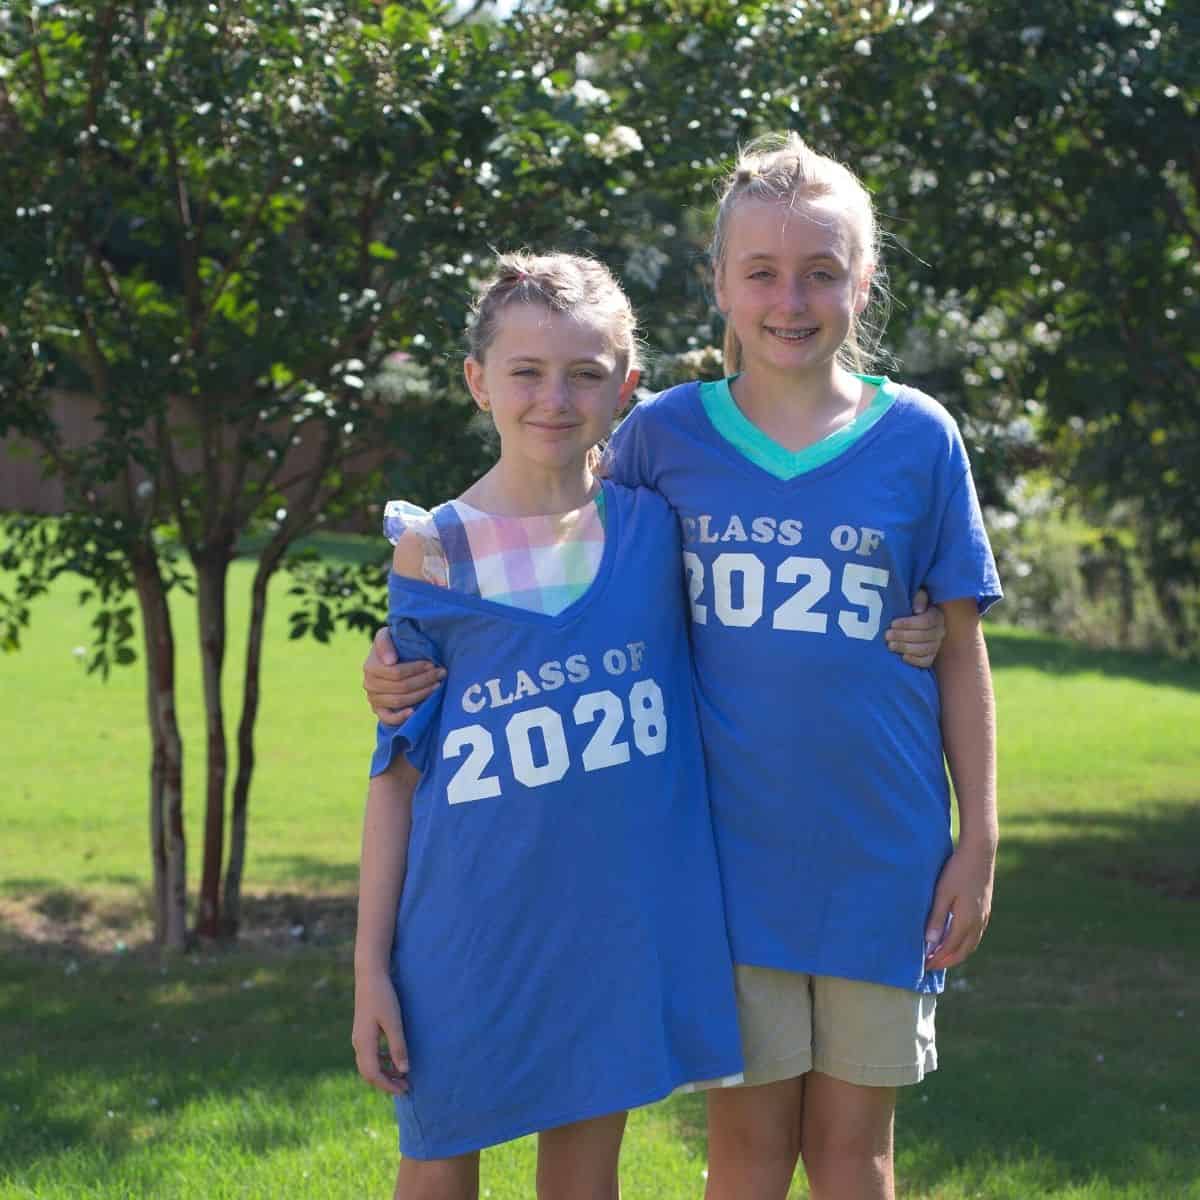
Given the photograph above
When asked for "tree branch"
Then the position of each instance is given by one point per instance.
(189, 251)
(235, 259)
(39, 67)
(97, 78)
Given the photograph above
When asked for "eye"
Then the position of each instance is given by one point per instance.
(822, 276)
(761, 273)
(590, 374)
(525, 372)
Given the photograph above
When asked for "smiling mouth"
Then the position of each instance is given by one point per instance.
(791, 335)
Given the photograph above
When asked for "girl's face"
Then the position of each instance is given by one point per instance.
(791, 283)
(553, 383)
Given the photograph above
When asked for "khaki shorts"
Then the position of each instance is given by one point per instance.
(862, 1033)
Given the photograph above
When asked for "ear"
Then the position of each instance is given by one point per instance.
(719, 289)
(627, 390)
(862, 292)
(476, 382)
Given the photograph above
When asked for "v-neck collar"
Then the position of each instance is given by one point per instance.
(764, 452)
(528, 616)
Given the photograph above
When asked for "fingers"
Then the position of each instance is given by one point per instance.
(382, 1062)
(922, 621)
(960, 939)
(394, 691)
(393, 701)
(918, 638)
(959, 945)
(924, 660)
(917, 649)
(380, 678)
(393, 1057)
(392, 716)
(917, 646)
(383, 648)
(937, 926)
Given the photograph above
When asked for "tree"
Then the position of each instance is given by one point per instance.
(1055, 189)
(227, 218)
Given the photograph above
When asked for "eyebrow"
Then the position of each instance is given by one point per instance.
(764, 256)
(535, 361)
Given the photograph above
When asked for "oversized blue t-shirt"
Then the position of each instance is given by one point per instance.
(560, 950)
(826, 775)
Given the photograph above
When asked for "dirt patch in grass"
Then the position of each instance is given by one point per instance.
(74, 923)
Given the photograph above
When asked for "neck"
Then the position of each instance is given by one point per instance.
(826, 390)
(523, 489)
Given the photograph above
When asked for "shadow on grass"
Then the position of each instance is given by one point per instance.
(318, 873)
(27, 885)
(1156, 848)
(98, 1050)
(1057, 656)
(1067, 1044)
(43, 922)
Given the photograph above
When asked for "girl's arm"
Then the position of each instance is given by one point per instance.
(386, 826)
(963, 896)
(395, 688)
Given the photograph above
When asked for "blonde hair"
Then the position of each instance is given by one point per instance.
(562, 283)
(783, 168)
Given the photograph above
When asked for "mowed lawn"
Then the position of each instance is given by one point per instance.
(1068, 1045)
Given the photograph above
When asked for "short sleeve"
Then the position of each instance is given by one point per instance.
(963, 566)
(624, 459)
(415, 737)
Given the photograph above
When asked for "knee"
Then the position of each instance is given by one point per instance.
(757, 1140)
(831, 1153)
(437, 1179)
(765, 1144)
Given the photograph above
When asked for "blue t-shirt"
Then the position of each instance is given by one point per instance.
(560, 950)
(826, 775)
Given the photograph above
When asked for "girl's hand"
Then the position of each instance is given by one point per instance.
(395, 689)
(962, 906)
(380, 1051)
(918, 638)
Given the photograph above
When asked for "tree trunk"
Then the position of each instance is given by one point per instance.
(168, 844)
(211, 572)
(267, 564)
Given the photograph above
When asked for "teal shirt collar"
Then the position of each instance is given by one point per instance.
(750, 441)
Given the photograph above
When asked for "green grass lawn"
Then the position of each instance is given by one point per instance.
(1068, 1044)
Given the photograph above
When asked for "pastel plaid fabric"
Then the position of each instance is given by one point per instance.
(540, 563)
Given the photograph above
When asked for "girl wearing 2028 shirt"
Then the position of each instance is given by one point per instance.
(541, 942)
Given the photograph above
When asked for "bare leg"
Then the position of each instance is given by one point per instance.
(438, 1178)
(579, 1161)
(846, 1139)
(754, 1140)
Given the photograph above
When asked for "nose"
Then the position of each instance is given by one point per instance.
(796, 294)
(558, 392)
